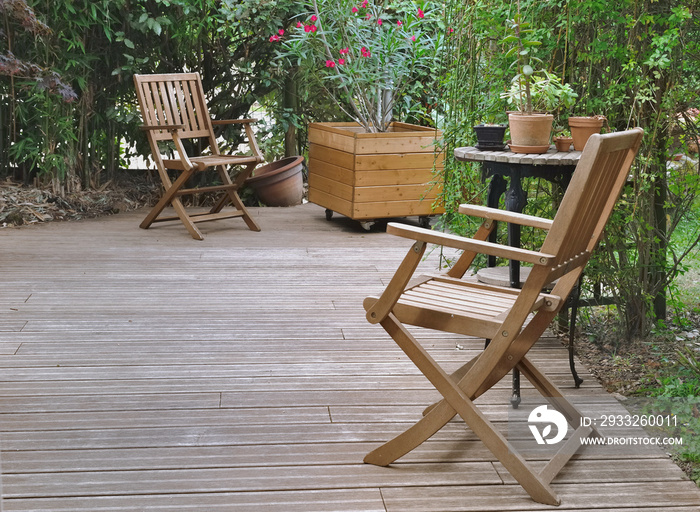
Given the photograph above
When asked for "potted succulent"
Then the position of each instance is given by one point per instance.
(535, 93)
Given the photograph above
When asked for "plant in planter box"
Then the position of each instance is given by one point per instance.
(363, 53)
(533, 93)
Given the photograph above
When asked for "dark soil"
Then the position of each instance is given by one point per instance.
(636, 367)
(631, 367)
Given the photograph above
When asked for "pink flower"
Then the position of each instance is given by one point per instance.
(398, 23)
(379, 22)
(314, 18)
(354, 10)
(341, 61)
(274, 38)
(421, 14)
(365, 52)
(313, 28)
(299, 24)
(344, 51)
(413, 38)
(364, 4)
(330, 64)
(310, 28)
(280, 32)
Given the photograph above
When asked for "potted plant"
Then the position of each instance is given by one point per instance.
(489, 136)
(562, 140)
(582, 127)
(535, 93)
(364, 54)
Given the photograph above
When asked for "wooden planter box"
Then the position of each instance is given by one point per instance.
(373, 175)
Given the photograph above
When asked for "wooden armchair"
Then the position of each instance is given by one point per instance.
(513, 319)
(174, 109)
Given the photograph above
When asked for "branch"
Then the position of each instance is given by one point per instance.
(360, 117)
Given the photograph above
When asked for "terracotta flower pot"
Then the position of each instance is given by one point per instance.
(563, 143)
(529, 133)
(279, 183)
(583, 127)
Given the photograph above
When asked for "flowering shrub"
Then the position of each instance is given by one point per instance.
(362, 52)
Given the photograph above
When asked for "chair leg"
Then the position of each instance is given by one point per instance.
(456, 376)
(437, 417)
(247, 218)
(457, 400)
(231, 196)
(170, 197)
(189, 225)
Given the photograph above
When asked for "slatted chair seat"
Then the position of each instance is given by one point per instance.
(514, 319)
(174, 109)
(449, 303)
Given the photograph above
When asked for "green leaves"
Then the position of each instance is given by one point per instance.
(363, 54)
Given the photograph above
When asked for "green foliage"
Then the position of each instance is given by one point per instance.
(97, 46)
(365, 56)
(638, 64)
(676, 387)
(544, 92)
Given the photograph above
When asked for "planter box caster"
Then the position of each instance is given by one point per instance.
(367, 224)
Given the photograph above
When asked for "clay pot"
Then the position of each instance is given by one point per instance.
(529, 133)
(279, 183)
(563, 143)
(583, 127)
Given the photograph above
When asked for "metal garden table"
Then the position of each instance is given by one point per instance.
(554, 166)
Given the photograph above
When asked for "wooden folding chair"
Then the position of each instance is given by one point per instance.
(174, 109)
(450, 303)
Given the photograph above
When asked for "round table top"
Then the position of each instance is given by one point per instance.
(551, 157)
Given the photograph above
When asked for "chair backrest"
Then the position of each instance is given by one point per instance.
(174, 99)
(591, 195)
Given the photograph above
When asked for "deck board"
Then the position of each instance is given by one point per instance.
(143, 370)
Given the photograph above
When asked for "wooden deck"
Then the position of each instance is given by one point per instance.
(144, 370)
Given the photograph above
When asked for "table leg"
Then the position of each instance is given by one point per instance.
(497, 187)
(515, 202)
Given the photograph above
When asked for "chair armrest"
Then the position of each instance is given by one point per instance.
(469, 244)
(252, 143)
(233, 121)
(170, 127)
(485, 212)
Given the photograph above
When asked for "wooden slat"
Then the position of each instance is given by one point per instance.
(408, 161)
(422, 191)
(147, 371)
